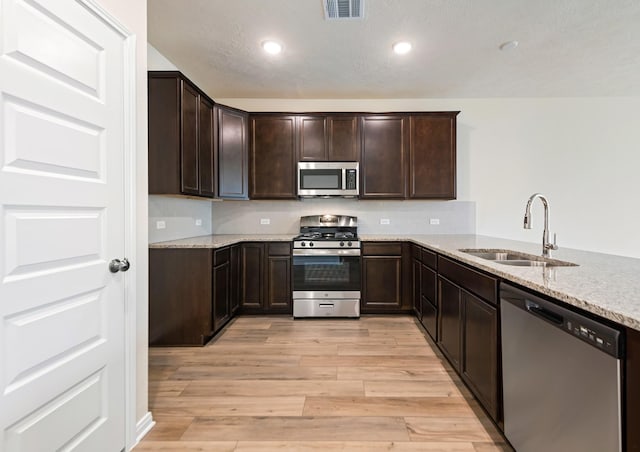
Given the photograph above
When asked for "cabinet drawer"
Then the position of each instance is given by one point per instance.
(416, 252)
(483, 285)
(279, 249)
(428, 284)
(429, 258)
(221, 256)
(381, 249)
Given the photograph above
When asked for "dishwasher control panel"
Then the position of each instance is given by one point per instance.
(600, 339)
(594, 333)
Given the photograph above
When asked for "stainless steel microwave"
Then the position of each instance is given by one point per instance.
(328, 179)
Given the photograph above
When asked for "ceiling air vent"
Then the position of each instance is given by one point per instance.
(343, 9)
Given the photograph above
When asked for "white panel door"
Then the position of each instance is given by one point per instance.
(62, 220)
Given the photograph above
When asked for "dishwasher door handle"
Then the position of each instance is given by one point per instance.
(543, 313)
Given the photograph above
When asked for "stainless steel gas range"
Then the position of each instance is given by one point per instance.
(326, 267)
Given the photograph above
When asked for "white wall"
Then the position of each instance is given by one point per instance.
(584, 154)
(133, 15)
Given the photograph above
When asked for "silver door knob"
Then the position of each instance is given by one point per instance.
(119, 265)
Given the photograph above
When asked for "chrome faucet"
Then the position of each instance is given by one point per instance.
(546, 245)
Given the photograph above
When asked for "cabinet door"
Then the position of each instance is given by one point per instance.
(164, 134)
(233, 153)
(343, 139)
(449, 307)
(479, 366)
(417, 298)
(252, 258)
(180, 296)
(234, 280)
(312, 133)
(383, 158)
(221, 307)
(382, 283)
(189, 140)
(206, 147)
(432, 156)
(273, 157)
(278, 289)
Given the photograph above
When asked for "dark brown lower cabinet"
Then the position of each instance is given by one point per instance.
(632, 384)
(266, 278)
(416, 268)
(386, 277)
(221, 287)
(479, 365)
(450, 310)
(468, 337)
(234, 289)
(429, 300)
(180, 296)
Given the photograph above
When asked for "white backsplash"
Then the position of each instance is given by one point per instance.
(405, 217)
(179, 216)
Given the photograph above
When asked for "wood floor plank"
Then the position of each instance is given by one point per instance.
(374, 350)
(436, 373)
(450, 428)
(388, 406)
(300, 428)
(187, 446)
(413, 362)
(351, 446)
(230, 406)
(254, 373)
(414, 388)
(273, 388)
(169, 428)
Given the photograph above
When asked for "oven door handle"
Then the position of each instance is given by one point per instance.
(326, 252)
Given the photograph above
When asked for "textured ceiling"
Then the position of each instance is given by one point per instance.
(567, 48)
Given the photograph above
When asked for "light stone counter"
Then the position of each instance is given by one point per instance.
(604, 284)
(219, 241)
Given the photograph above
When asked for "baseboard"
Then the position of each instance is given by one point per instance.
(143, 426)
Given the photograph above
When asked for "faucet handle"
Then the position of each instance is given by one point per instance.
(554, 245)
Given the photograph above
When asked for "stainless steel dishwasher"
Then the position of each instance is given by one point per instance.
(561, 377)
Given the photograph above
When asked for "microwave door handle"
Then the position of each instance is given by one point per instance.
(344, 179)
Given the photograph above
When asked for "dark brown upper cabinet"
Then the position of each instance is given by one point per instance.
(312, 131)
(272, 157)
(328, 138)
(432, 155)
(233, 152)
(383, 159)
(181, 141)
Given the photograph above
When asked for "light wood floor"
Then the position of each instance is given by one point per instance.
(275, 384)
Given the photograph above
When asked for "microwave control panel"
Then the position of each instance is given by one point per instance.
(351, 181)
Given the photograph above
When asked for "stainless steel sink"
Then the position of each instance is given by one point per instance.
(516, 258)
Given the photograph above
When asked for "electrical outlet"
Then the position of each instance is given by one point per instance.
(161, 225)
(434, 221)
(198, 222)
(265, 220)
(385, 221)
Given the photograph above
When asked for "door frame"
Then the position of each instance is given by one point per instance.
(132, 435)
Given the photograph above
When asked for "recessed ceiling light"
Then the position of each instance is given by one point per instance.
(402, 47)
(509, 45)
(272, 47)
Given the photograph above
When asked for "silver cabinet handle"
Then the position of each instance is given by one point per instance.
(119, 265)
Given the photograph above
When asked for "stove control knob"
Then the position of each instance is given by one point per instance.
(303, 244)
(341, 243)
(310, 243)
(349, 243)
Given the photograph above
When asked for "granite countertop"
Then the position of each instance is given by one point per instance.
(221, 240)
(604, 284)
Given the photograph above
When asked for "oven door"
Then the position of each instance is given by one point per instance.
(326, 270)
